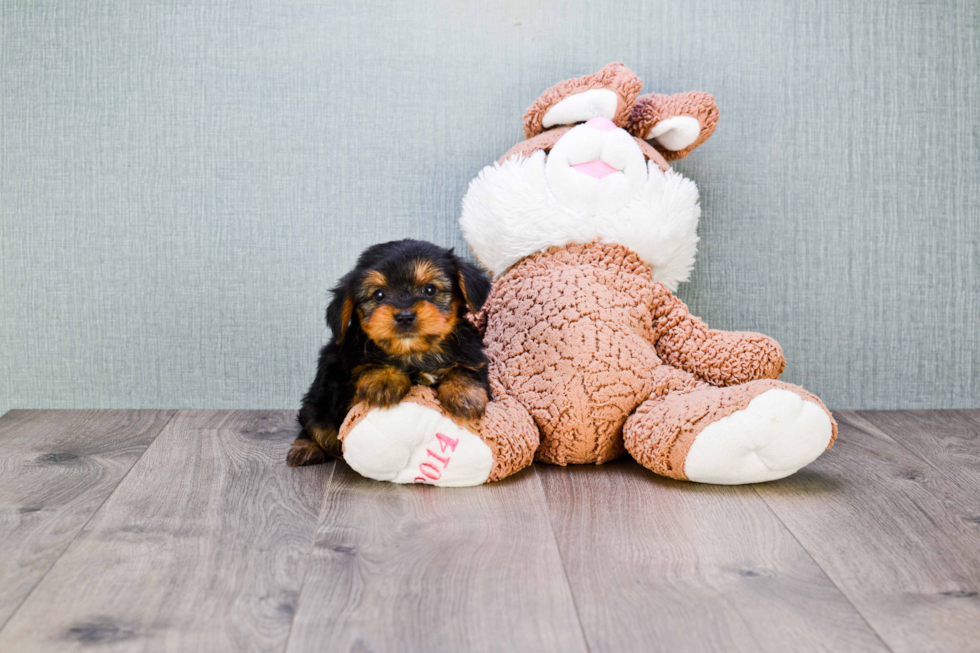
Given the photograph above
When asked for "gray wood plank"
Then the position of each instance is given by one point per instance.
(899, 539)
(201, 547)
(56, 468)
(949, 439)
(413, 568)
(660, 565)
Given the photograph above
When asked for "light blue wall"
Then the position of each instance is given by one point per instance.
(181, 182)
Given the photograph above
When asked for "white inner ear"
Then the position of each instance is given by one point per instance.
(581, 107)
(676, 133)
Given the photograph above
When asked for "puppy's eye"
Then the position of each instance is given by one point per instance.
(429, 290)
(378, 295)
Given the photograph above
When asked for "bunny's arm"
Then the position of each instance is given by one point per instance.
(722, 358)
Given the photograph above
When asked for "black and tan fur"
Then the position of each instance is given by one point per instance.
(398, 319)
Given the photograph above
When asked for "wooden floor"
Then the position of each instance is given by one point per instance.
(185, 531)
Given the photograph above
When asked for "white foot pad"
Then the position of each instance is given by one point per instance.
(774, 436)
(414, 444)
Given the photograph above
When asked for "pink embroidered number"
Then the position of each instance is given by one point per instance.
(446, 442)
(435, 474)
(443, 459)
(429, 471)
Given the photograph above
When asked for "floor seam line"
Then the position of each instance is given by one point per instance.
(309, 554)
(82, 527)
(935, 466)
(561, 558)
(857, 611)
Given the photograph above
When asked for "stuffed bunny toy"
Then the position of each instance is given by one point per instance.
(588, 231)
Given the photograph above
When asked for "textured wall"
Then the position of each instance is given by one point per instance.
(180, 182)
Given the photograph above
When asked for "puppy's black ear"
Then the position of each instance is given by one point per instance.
(340, 312)
(474, 284)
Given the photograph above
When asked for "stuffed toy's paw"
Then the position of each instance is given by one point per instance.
(418, 442)
(776, 435)
(749, 433)
(410, 443)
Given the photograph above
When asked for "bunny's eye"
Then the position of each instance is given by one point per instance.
(429, 290)
(378, 295)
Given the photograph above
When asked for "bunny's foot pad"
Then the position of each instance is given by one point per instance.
(778, 433)
(410, 443)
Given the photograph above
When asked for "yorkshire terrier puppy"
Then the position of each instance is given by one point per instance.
(398, 319)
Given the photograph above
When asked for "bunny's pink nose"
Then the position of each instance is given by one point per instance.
(600, 123)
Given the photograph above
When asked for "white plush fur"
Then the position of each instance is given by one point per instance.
(511, 211)
(401, 445)
(774, 436)
(676, 133)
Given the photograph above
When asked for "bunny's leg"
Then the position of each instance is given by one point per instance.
(419, 442)
(748, 433)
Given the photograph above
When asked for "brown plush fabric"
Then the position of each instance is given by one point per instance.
(573, 333)
(652, 108)
(544, 141)
(506, 428)
(615, 77)
(718, 357)
(650, 153)
(567, 334)
(660, 433)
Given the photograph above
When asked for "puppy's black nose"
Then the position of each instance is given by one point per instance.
(405, 318)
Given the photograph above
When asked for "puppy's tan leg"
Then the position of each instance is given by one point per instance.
(305, 452)
(381, 387)
(462, 395)
(314, 447)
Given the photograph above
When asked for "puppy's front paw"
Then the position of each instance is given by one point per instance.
(305, 452)
(462, 397)
(382, 387)
(326, 437)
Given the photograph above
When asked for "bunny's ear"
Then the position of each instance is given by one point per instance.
(609, 93)
(674, 124)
